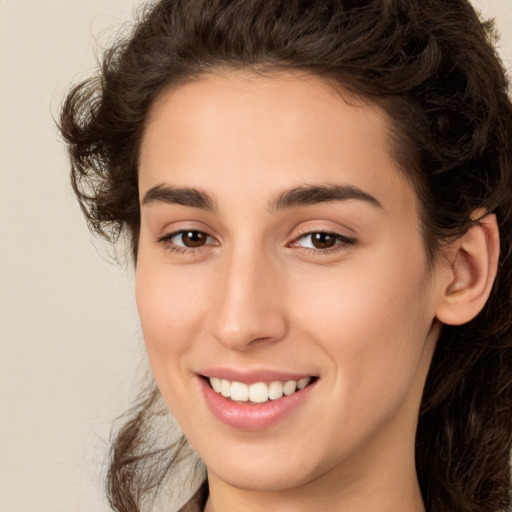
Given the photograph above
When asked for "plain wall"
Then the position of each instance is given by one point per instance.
(71, 350)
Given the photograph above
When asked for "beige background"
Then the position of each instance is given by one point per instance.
(71, 351)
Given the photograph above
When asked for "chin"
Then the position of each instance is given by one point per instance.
(258, 479)
(277, 468)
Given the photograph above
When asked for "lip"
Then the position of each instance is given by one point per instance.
(253, 417)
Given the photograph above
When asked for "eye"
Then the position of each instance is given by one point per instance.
(322, 241)
(188, 239)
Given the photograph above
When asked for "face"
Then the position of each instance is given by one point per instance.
(280, 253)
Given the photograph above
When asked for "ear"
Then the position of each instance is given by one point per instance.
(472, 262)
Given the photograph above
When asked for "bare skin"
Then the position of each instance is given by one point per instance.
(278, 233)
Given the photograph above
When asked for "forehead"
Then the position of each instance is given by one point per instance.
(276, 131)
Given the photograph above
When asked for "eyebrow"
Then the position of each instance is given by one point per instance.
(304, 195)
(184, 196)
(313, 194)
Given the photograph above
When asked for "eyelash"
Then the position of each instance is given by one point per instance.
(341, 242)
(166, 240)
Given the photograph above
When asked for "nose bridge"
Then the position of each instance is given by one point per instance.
(247, 304)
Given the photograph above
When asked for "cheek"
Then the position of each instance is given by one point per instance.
(372, 322)
(170, 314)
(170, 321)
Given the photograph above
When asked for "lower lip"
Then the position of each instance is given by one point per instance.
(246, 416)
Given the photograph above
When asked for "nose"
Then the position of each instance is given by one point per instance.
(248, 307)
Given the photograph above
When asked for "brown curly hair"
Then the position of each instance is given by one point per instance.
(431, 66)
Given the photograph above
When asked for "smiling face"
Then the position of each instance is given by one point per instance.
(280, 243)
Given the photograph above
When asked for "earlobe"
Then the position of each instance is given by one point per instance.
(473, 262)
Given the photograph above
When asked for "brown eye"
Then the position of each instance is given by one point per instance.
(188, 239)
(193, 238)
(323, 240)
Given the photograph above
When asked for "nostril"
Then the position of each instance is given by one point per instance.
(261, 338)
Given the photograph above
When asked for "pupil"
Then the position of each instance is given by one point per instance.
(194, 238)
(323, 240)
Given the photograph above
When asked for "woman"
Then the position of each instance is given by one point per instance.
(318, 198)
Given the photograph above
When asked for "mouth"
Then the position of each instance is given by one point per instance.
(257, 393)
(263, 400)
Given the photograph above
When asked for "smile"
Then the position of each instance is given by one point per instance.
(258, 392)
(263, 400)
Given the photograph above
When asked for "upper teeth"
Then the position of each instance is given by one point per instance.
(259, 392)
